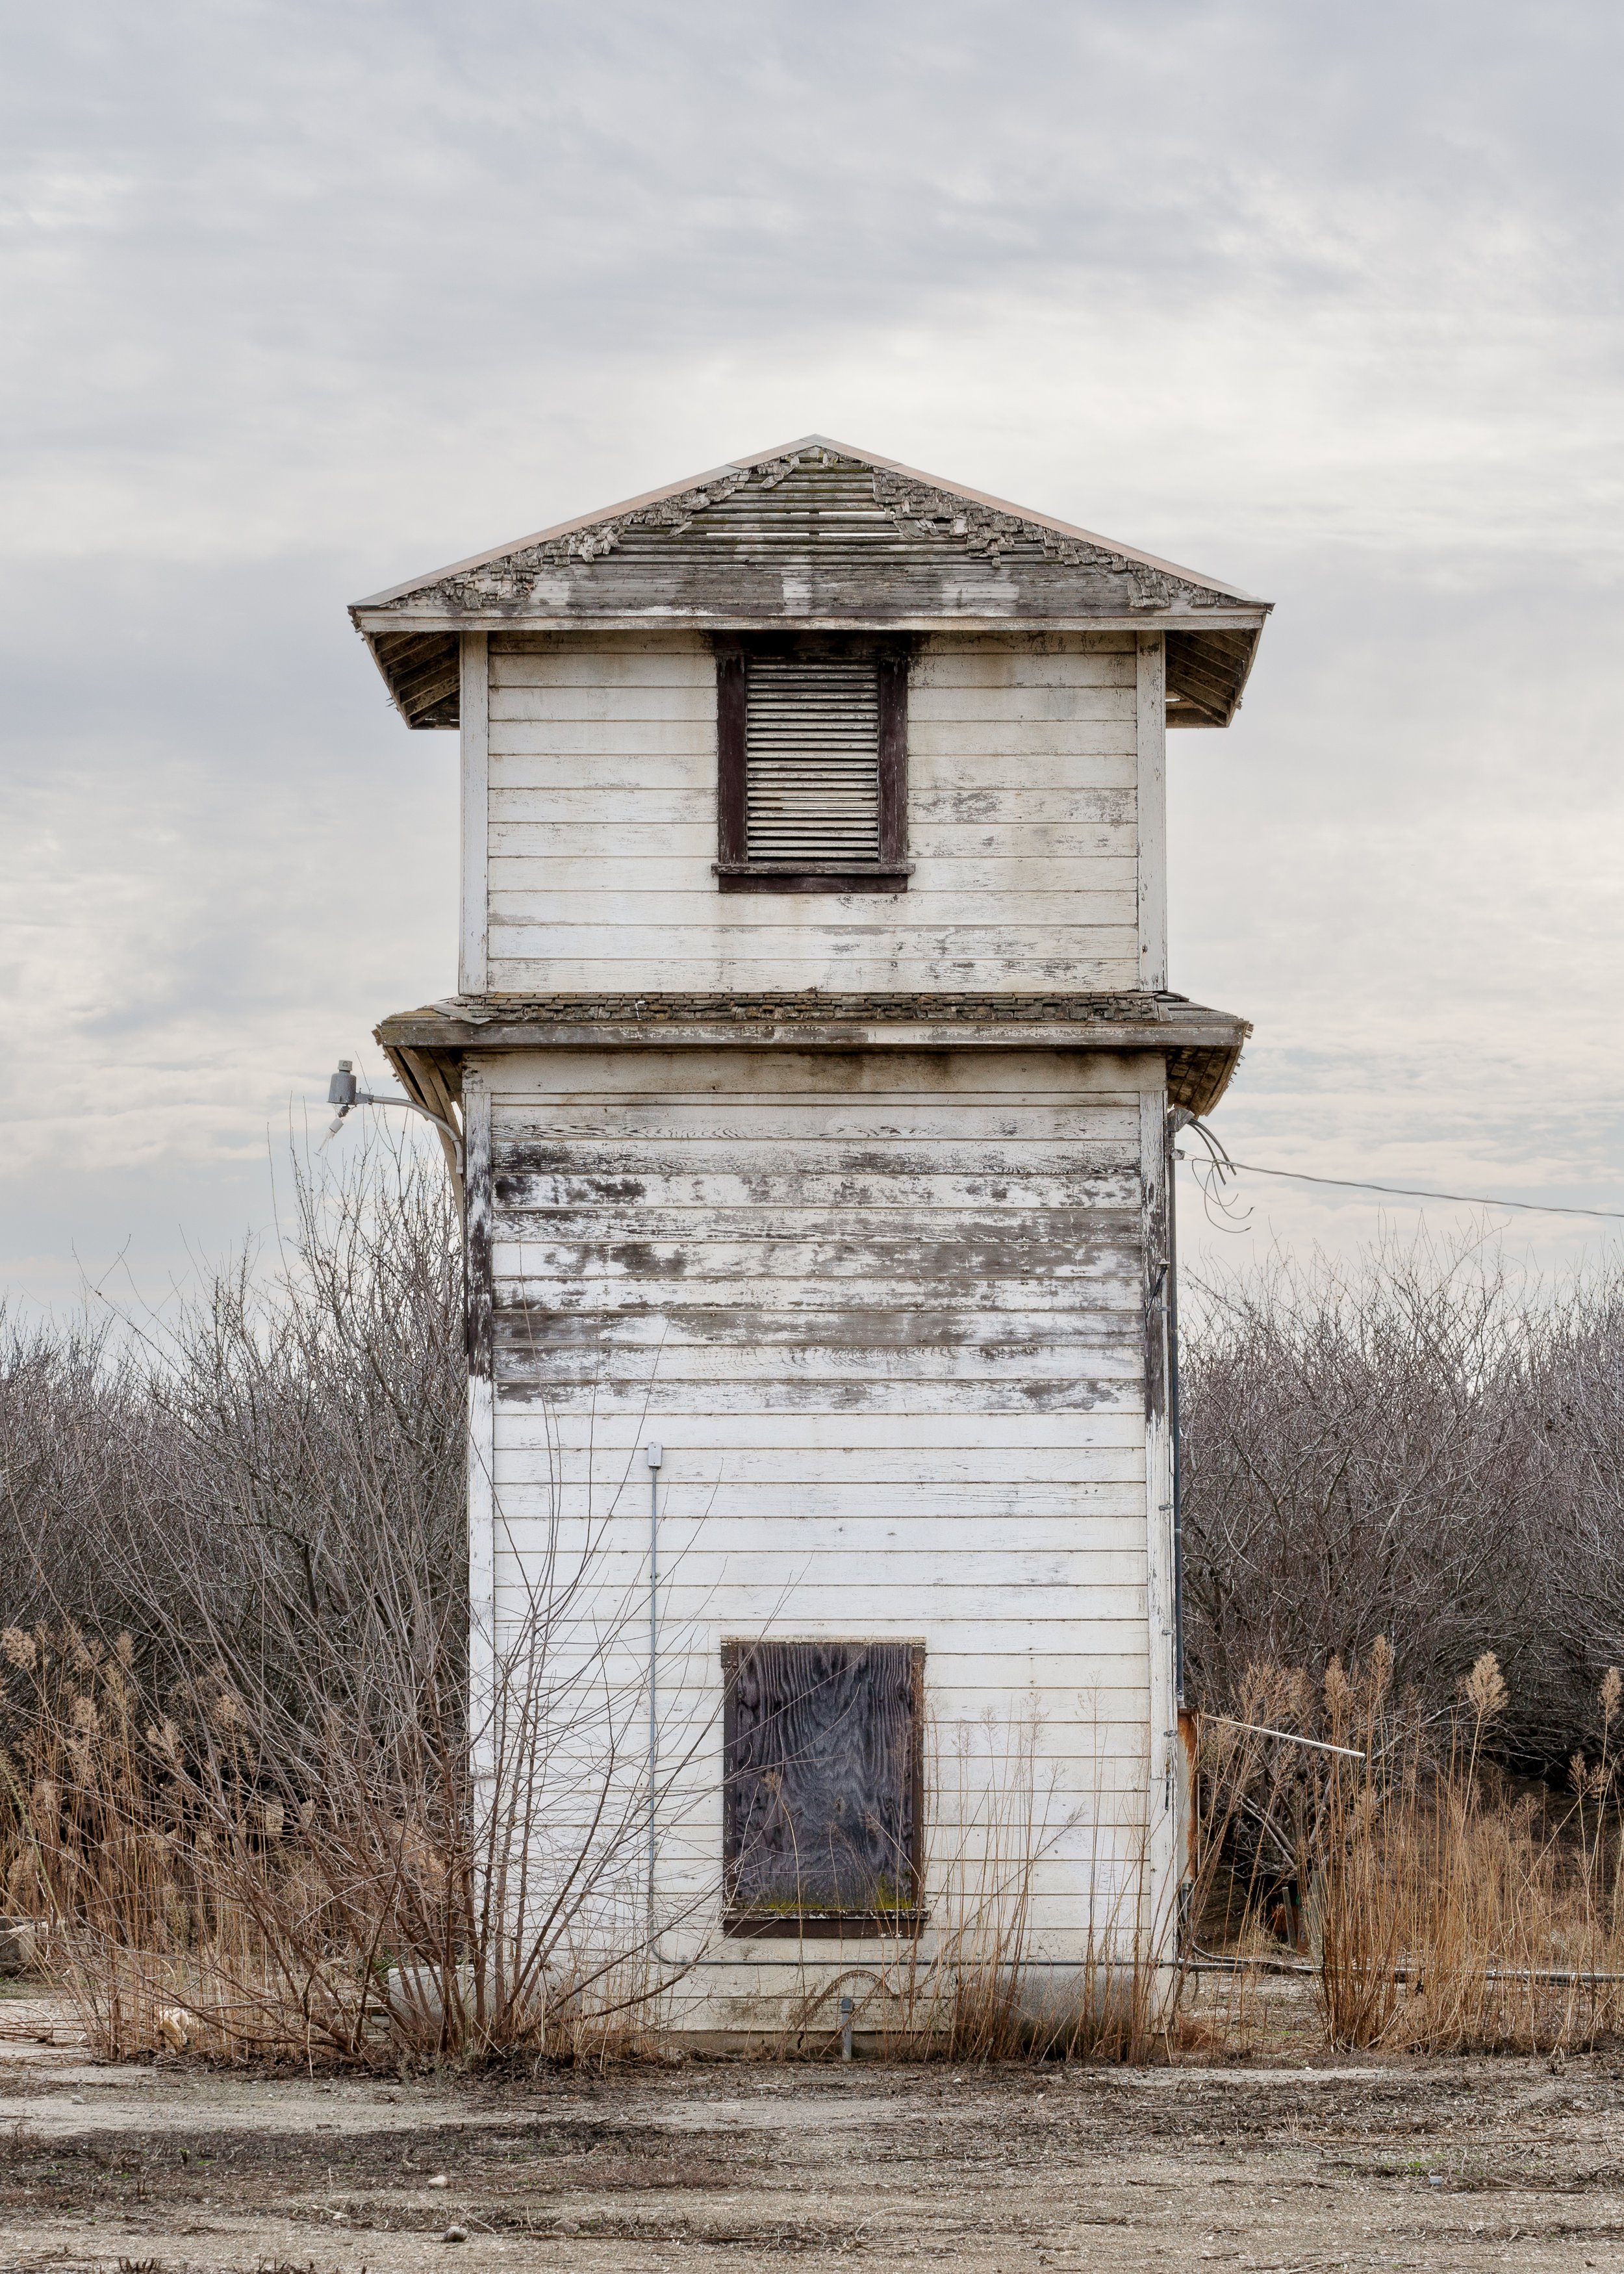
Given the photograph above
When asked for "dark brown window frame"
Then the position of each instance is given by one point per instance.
(825, 1924)
(734, 870)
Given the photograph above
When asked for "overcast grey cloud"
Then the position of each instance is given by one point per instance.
(300, 300)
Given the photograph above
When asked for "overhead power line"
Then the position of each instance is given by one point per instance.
(1412, 1192)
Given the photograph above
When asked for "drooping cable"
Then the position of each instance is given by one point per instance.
(1221, 1165)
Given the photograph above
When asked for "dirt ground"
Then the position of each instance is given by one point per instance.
(1279, 2164)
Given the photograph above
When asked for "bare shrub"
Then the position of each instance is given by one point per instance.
(269, 1475)
(264, 1812)
(1424, 1447)
(208, 1885)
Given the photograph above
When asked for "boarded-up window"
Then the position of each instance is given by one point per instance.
(812, 742)
(821, 1808)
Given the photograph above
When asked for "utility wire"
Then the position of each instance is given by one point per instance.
(1413, 1193)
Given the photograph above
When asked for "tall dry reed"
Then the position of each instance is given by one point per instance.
(203, 1888)
(981, 1980)
(1435, 1906)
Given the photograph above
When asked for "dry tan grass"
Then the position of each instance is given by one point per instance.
(983, 1985)
(1438, 1910)
(196, 1899)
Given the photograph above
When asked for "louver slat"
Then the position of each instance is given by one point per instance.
(812, 760)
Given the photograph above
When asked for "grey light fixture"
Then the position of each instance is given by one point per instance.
(344, 1092)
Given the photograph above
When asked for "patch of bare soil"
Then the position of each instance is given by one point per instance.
(1278, 2166)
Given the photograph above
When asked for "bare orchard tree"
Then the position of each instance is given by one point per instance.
(247, 1779)
(73, 1416)
(1422, 1447)
(1572, 1418)
(273, 1469)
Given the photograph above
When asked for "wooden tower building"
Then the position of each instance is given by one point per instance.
(816, 1068)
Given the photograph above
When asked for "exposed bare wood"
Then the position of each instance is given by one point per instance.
(420, 671)
(822, 1764)
(1206, 672)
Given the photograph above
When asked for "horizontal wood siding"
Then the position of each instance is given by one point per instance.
(885, 1312)
(1022, 772)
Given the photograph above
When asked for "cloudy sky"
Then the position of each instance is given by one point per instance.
(303, 299)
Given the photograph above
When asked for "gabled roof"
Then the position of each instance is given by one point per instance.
(813, 534)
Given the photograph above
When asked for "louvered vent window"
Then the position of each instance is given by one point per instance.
(811, 760)
(812, 738)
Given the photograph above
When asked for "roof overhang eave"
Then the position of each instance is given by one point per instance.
(373, 624)
(1200, 1047)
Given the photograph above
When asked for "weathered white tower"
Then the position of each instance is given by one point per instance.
(814, 1059)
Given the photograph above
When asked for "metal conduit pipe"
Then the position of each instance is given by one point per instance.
(655, 1456)
(1176, 1119)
